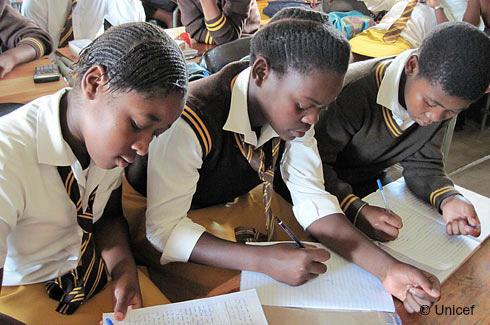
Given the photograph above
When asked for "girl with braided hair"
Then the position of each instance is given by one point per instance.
(235, 125)
(62, 232)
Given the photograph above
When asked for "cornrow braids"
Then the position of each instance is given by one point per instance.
(302, 14)
(301, 44)
(139, 57)
(457, 57)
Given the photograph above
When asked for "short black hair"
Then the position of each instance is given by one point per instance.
(304, 43)
(457, 57)
(300, 13)
(137, 56)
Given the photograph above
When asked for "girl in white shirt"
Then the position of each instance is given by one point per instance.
(131, 85)
(88, 15)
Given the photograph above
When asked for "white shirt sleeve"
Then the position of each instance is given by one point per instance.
(124, 11)
(379, 5)
(11, 204)
(302, 171)
(36, 10)
(174, 160)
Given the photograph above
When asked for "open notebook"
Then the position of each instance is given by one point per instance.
(423, 241)
(345, 286)
(239, 308)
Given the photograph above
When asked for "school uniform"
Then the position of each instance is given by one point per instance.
(88, 15)
(370, 42)
(238, 18)
(16, 30)
(367, 130)
(40, 238)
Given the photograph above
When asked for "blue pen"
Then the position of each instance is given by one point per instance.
(108, 321)
(380, 186)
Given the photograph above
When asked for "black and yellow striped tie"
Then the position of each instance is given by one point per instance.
(67, 32)
(397, 27)
(90, 275)
(263, 160)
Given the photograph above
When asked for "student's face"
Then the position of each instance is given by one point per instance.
(291, 103)
(118, 126)
(426, 102)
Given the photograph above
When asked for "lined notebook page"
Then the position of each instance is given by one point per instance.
(423, 236)
(239, 308)
(344, 286)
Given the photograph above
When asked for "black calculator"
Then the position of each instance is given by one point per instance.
(46, 73)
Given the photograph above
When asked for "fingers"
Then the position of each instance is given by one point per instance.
(426, 286)
(317, 268)
(411, 306)
(318, 254)
(394, 220)
(390, 232)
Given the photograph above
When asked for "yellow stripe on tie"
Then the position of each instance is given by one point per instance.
(216, 23)
(434, 195)
(210, 39)
(214, 29)
(239, 143)
(66, 36)
(206, 38)
(347, 201)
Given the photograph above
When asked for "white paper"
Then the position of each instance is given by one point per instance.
(423, 236)
(239, 308)
(344, 286)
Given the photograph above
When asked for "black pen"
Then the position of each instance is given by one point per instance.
(289, 232)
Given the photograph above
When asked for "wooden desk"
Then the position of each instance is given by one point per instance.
(469, 285)
(18, 86)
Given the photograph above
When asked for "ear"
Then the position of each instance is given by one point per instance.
(260, 70)
(93, 81)
(412, 66)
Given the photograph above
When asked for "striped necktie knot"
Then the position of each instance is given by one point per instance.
(263, 160)
(397, 27)
(90, 276)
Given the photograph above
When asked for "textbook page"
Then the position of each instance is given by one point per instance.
(423, 236)
(238, 308)
(345, 286)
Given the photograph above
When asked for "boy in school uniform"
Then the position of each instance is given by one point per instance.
(237, 126)
(219, 21)
(398, 113)
(62, 233)
(20, 39)
(67, 20)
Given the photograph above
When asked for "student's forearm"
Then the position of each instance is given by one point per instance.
(213, 251)
(21, 53)
(472, 13)
(210, 9)
(440, 16)
(112, 238)
(338, 234)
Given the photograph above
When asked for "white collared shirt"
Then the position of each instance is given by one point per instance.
(176, 156)
(388, 90)
(40, 238)
(88, 15)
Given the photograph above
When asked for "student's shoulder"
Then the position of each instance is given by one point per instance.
(18, 131)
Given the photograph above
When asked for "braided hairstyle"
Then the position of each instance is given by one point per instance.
(457, 57)
(136, 56)
(300, 13)
(301, 40)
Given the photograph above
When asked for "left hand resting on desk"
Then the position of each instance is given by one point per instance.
(460, 216)
(412, 286)
(7, 63)
(126, 289)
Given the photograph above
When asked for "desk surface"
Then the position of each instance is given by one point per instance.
(18, 86)
(469, 285)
